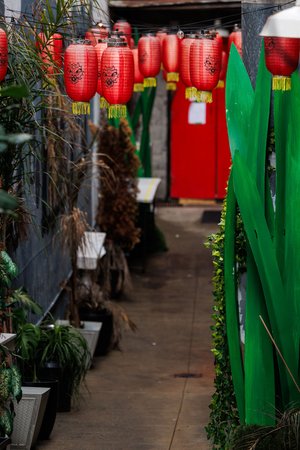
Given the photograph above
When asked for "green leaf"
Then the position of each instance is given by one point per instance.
(14, 91)
(256, 228)
(232, 319)
(239, 101)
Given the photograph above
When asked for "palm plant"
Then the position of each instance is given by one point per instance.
(65, 346)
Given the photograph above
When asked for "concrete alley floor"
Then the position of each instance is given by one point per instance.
(154, 394)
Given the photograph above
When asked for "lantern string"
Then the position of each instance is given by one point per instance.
(226, 21)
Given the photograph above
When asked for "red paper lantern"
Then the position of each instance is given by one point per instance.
(3, 54)
(95, 33)
(117, 69)
(149, 58)
(281, 56)
(184, 65)
(170, 56)
(224, 63)
(125, 28)
(80, 75)
(161, 35)
(236, 38)
(205, 66)
(51, 51)
(138, 76)
(99, 48)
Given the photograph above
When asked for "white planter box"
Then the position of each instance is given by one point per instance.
(92, 250)
(8, 340)
(29, 415)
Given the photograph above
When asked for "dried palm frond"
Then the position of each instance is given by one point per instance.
(114, 262)
(118, 208)
(121, 321)
(73, 227)
(285, 435)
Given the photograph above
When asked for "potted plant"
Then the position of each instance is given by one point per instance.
(64, 356)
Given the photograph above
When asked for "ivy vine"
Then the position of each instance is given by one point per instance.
(224, 417)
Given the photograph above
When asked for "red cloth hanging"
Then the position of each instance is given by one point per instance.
(117, 69)
(206, 57)
(170, 56)
(281, 56)
(3, 54)
(51, 51)
(80, 75)
(149, 58)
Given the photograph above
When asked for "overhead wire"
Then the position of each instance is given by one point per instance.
(226, 21)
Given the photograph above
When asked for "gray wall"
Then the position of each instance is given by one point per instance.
(159, 136)
(43, 267)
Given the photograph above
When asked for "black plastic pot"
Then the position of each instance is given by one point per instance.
(105, 316)
(53, 371)
(4, 442)
(51, 407)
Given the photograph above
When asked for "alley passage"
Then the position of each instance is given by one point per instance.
(154, 395)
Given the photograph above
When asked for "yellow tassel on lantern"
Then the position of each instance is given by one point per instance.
(190, 92)
(117, 111)
(138, 87)
(281, 83)
(150, 82)
(172, 76)
(204, 97)
(220, 84)
(81, 108)
(103, 103)
(171, 86)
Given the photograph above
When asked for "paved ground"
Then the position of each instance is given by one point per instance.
(141, 398)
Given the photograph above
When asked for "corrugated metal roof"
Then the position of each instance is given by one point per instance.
(164, 3)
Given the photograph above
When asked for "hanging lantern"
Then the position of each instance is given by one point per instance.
(161, 34)
(99, 48)
(138, 76)
(3, 54)
(281, 55)
(125, 28)
(184, 65)
(95, 33)
(236, 38)
(170, 56)
(205, 66)
(170, 85)
(80, 75)
(51, 51)
(149, 59)
(224, 63)
(117, 69)
(131, 43)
